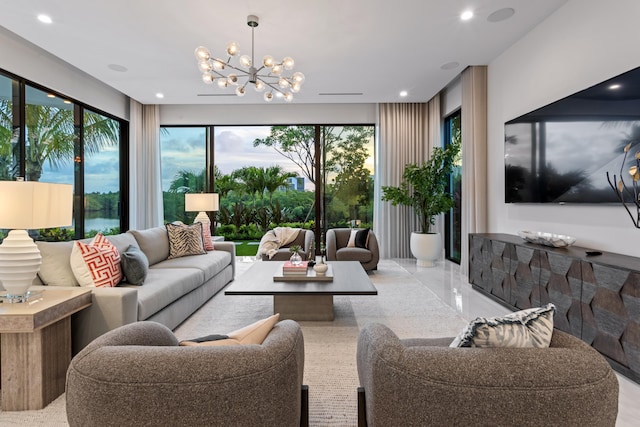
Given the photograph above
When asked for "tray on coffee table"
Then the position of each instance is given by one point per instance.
(311, 276)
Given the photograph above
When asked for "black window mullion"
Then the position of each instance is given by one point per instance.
(78, 171)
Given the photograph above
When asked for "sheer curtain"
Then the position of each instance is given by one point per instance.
(474, 157)
(146, 209)
(406, 134)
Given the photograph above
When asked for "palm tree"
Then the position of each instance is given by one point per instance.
(275, 178)
(186, 181)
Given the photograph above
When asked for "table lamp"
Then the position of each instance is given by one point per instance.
(28, 205)
(202, 203)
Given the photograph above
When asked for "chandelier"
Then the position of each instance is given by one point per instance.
(270, 78)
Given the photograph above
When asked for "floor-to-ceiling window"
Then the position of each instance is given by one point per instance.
(453, 218)
(313, 177)
(44, 136)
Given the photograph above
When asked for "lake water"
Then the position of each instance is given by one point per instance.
(101, 224)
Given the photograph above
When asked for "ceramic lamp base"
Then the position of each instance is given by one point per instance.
(19, 264)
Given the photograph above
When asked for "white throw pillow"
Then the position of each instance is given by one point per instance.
(96, 264)
(352, 239)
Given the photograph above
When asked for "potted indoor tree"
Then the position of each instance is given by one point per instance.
(424, 187)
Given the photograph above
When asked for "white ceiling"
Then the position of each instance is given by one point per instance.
(373, 47)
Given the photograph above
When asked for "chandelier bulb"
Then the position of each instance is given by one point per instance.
(295, 88)
(222, 83)
(259, 86)
(288, 63)
(245, 61)
(233, 49)
(298, 77)
(268, 96)
(288, 97)
(277, 69)
(218, 65)
(202, 53)
(268, 61)
(283, 82)
(232, 79)
(204, 66)
(240, 91)
(208, 78)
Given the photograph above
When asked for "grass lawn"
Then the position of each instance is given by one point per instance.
(246, 247)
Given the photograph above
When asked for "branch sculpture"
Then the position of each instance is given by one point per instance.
(622, 188)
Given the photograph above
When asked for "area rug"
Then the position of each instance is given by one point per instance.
(402, 303)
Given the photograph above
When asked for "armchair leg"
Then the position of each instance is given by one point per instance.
(362, 408)
(304, 413)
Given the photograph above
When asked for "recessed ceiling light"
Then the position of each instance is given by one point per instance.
(403, 93)
(466, 15)
(614, 87)
(117, 67)
(501, 14)
(45, 18)
(450, 65)
(159, 95)
(50, 95)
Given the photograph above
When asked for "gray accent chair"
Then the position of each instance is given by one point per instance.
(423, 382)
(304, 239)
(138, 375)
(337, 250)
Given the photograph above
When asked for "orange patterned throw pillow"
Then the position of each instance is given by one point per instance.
(97, 263)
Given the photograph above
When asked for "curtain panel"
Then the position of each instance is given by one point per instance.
(146, 186)
(406, 134)
(474, 157)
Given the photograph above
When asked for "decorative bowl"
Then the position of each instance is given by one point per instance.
(547, 239)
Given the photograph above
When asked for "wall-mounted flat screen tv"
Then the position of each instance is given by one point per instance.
(561, 153)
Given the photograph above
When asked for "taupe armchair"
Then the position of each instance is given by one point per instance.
(337, 250)
(138, 375)
(424, 382)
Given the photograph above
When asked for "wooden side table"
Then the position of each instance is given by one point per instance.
(35, 340)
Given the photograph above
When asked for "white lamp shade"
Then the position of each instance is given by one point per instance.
(201, 202)
(33, 205)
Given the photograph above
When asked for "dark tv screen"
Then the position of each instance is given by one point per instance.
(561, 153)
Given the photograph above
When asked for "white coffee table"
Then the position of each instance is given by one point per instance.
(303, 300)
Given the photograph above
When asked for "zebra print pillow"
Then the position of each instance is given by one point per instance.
(526, 328)
(185, 240)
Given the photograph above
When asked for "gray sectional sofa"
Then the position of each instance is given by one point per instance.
(173, 290)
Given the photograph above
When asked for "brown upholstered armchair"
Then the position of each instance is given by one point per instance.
(423, 382)
(138, 375)
(337, 250)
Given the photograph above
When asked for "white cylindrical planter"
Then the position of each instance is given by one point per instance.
(427, 248)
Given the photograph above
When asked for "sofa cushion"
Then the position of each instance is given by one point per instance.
(96, 263)
(254, 333)
(362, 238)
(154, 242)
(210, 263)
(135, 265)
(122, 241)
(55, 269)
(185, 240)
(353, 254)
(164, 286)
(532, 327)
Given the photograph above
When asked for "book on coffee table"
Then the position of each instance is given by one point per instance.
(309, 275)
(289, 269)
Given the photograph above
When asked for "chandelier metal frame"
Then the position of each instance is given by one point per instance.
(269, 77)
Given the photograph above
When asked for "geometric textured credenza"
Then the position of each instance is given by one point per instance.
(597, 297)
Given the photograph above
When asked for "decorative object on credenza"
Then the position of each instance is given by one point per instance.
(425, 187)
(270, 74)
(25, 206)
(630, 189)
(547, 239)
(295, 259)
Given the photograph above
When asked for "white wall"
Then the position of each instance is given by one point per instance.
(268, 114)
(583, 43)
(32, 63)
